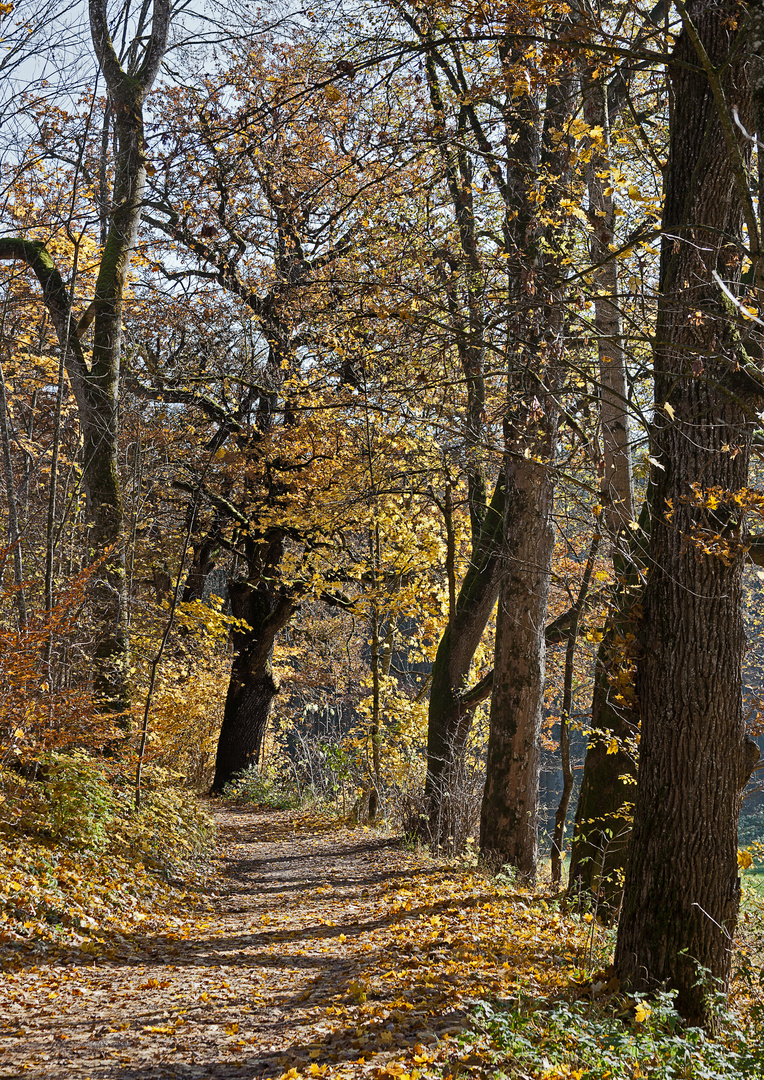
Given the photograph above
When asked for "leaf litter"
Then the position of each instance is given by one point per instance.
(310, 949)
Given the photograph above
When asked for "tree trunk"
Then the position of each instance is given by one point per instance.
(682, 887)
(14, 533)
(245, 720)
(252, 688)
(509, 813)
(448, 721)
(96, 384)
(462, 278)
(598, 853)
(605, 802)
(561, 815)
(127, 93)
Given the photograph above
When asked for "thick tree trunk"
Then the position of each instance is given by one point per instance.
(245, 721)
(264, 611)
(509, 813)
(682, 887)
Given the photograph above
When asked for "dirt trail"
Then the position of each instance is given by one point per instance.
(274, 977)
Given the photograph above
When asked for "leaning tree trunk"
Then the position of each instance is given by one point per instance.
(252, 688)
(682, 888)
(449, 720)
(462, 277)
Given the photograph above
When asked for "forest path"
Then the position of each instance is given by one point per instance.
(320, 951)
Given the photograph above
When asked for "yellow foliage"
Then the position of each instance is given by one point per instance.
(744, 859)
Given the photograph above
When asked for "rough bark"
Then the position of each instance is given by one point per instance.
(682, 887)
(449, 720)
(252, 687)
(509, 812)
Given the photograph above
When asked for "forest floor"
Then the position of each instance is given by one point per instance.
(309, 950)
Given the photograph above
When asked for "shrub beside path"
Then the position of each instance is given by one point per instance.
(314, 950)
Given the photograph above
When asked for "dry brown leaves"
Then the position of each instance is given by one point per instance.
(318, 951)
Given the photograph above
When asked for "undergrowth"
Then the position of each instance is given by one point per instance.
(79, 865)
(269, 787)
(626, 1040)
(618, 1037)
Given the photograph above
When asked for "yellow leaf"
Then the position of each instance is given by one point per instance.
(744, 859)
(641, 1012)
(612, 746)
(668, 409)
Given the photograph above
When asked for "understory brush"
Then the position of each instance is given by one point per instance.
(266, 786)
(623, 1040)
(334, 770)
(78, 860)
